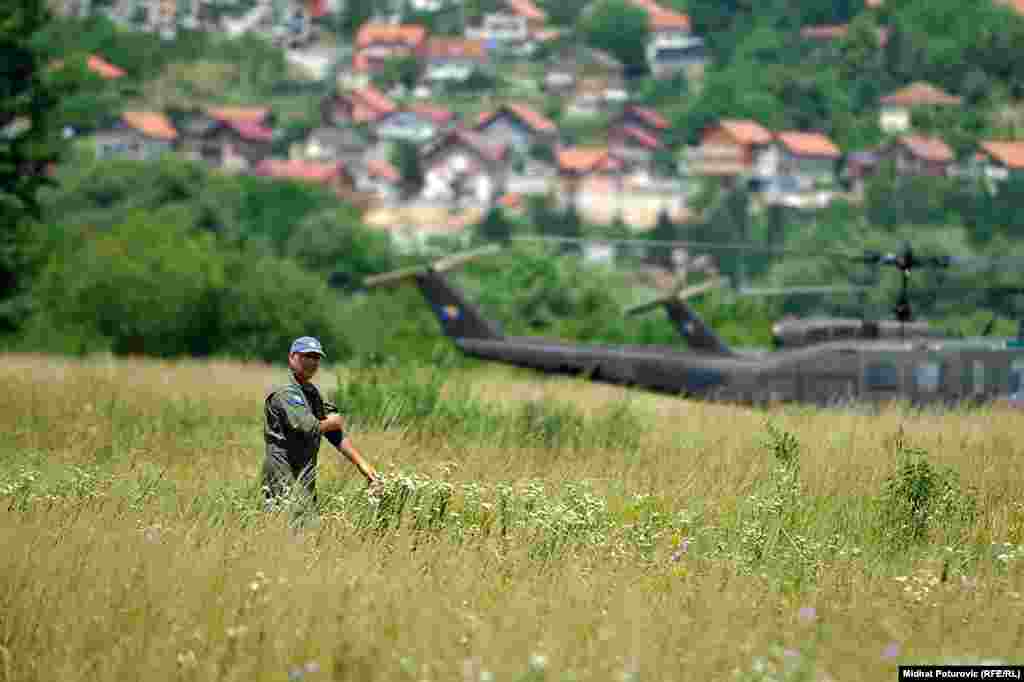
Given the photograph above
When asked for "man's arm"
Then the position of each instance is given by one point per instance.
(353, 455)
(333, 429)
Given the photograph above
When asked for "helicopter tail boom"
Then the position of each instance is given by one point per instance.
(459, 318)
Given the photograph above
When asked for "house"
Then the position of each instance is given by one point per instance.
(633, 145)
(575, 62)
(448, 60)
(671, 47)
(896, 108)
(365, 105)
(417, 123)
(733, 147)
(463, 164)
(379, 178)
(999, 161)
(858, 167)
(329, 144)
(536, 18)
(645, 118)
(138, 135)
(920, 155)
(333, 176)
(806, 162)
(234, 138)
(377, 43)
(597, 95)
(507, 32)
(575, 163)
(517, 126)
(824, 41)
(98, 66)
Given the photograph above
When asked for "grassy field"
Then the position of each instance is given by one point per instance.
(529, 529)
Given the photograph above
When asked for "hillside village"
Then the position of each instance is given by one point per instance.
(398, 86)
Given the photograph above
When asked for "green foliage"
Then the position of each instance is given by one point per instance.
(406, 158)
(920, 498)
(335, 243)
(495, 227)
(619, 28)
(30, 125)
(564, 12)
(257, 66)
(404, 70)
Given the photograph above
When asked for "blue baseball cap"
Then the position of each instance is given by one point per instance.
(307, 344)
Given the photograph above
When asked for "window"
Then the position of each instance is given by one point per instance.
(978, 376)
(882, 376)
(928, 376)
(1017, 378)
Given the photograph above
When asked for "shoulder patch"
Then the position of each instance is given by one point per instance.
(294, 398)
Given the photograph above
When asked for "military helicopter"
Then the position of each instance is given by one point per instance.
(789, 332)
(799, 332)
(875, 370)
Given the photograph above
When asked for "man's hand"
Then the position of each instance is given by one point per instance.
(333, 422)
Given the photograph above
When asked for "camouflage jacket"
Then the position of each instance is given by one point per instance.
(292, 414)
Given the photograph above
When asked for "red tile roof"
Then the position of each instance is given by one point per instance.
(808, 144)
(473, 140)
(439, 115)
(252, 131)
(103, 68)
(825, 32)
(239, 114)
(511, 201)
(838, 32)
(526, 8)
(746, 131)
(151, 124)
(641, 136)
(650, 117)
(410, 35)
(536, 122)
(585, 160)
(920, 94)
(1010, 154)
(454, 48)
(98, 65)
(661, 18)
(370, 104)
(927, 148)
(380, 168)
(297, 169)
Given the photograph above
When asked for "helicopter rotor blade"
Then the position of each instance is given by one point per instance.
(440, 265)
(798, 290)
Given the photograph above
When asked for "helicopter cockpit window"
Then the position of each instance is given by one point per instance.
(882, 376)
(928, 376)
(978, 376)
(1017, 378)
(817, 335)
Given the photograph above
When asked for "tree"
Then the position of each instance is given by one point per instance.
(30, 142)
(335, 243)
(564, 12)
(356, 13)
(403, 70)
(495, 227)
(620, 28)
(406, 158)
(665, 230)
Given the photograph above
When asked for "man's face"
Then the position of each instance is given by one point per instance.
(304, 365)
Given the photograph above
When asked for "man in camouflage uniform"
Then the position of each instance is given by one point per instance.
(295, 416)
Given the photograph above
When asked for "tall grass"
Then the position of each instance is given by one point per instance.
(527, 529)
